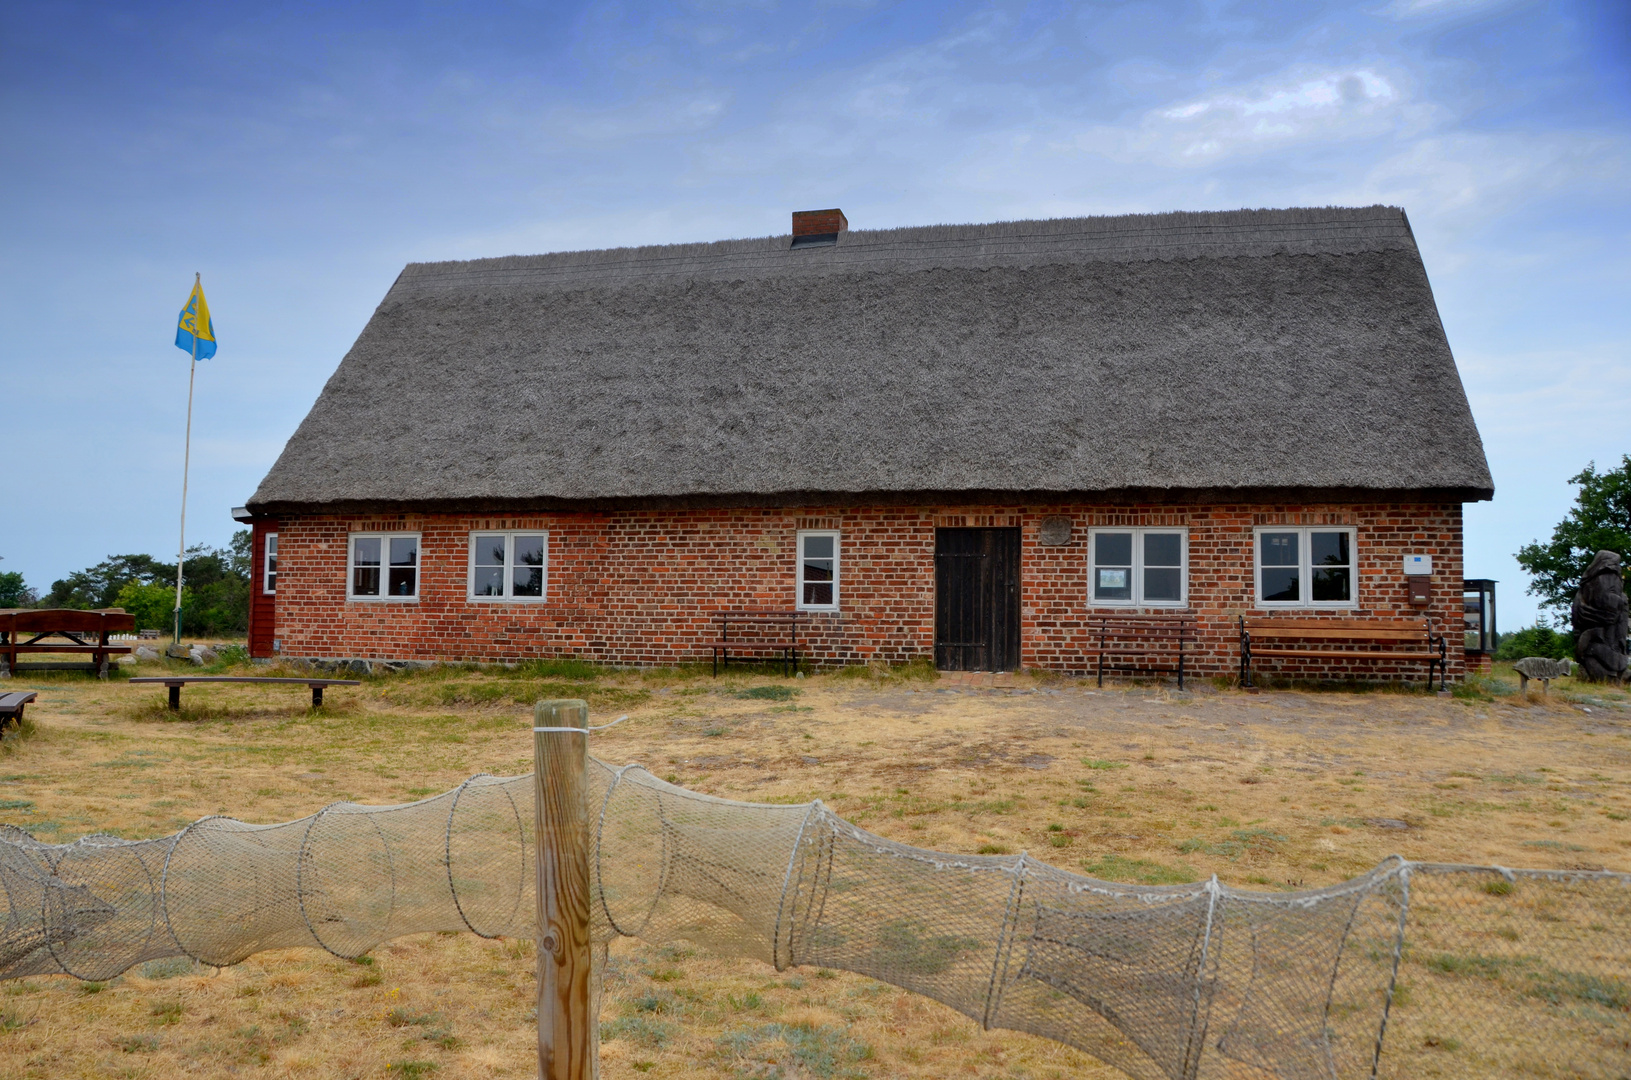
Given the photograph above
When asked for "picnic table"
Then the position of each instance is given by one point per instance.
(773, 632)
(176, 682)
(61, 630)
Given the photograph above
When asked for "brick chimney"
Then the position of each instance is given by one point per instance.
(812, 227)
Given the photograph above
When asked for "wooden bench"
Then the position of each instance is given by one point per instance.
(176, 682)
(1399, 639)
(1152, 635)
(62, 630)
(11, 708)
(776, 632)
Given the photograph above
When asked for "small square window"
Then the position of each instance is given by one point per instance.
(384, 566)
(817, 571)
(1138, 567)
(509, 565)
(1305, 567)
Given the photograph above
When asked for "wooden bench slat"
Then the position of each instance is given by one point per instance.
(1361, 654)
(1324, 632)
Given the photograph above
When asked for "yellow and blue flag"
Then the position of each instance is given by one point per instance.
(195, 315)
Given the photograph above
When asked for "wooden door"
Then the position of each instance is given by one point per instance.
(976, 599)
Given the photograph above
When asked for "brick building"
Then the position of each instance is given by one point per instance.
(586, 453)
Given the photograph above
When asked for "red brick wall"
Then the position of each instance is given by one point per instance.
(635, 587)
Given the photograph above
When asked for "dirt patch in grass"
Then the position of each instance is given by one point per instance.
(1134, 784)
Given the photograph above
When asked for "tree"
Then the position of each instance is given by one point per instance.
(152, 604)
(215, 599)
(14, 592)
(1599, 521)
(1536, 641)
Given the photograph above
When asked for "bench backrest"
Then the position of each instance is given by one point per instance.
(72, 620)
(1361, 629)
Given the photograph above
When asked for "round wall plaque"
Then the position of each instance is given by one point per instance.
(1055, 531)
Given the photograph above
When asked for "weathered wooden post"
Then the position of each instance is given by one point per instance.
(568, 1033)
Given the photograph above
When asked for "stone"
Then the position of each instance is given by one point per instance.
(146, 652)
(178, 651)
(1055, 532)
(1602, 620)
(1543, 668)
(203, 654)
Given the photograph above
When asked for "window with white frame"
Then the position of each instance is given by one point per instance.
(383, 566)
(818, 571)
(269, 566)
(1138, 567)
(1305, 567)
(509, 565)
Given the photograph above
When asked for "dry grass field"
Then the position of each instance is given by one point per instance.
(1135, 783)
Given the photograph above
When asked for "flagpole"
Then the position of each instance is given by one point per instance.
(186, 461)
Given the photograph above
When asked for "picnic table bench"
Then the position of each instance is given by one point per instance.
(11, 707)
(62, 630)
(176, 682)
(1125, 636)
(1348, 639)
(774, 632)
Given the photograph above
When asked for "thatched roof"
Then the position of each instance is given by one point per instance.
(1247, 354)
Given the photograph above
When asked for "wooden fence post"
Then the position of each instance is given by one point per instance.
(568, 1034)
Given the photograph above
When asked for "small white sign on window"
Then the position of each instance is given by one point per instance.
(1112, 579)
(1418, 565)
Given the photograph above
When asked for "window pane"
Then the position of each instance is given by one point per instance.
(818, 593)
(529, 551)
(1163, 549)
(1162, 583)
(1332, 584)
(489, 550)
(365, 566)
(1328, 549)
(1113, 549)
(489, 581)
(1279, 549)
(527, 581)
(404, 573)
(818, 547)
(1113, 584)
(1280, 583)
(271, 564)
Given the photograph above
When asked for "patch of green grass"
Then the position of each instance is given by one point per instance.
(1240, 842)
(785, 1051)
(166, 1012)
(1142, 871)
(994, 849)
(1554, 987)
(16, 804)
(767, 693)
(411, 1070)
(638, 1029)
(1101, 763)
(169, 967)
(902, 946)
(139, 1044)
(565, 667)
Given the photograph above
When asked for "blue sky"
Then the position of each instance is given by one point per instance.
(298, 155)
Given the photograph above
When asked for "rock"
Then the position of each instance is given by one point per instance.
(360, 667)
(1386, 823)
(1602, 620)
(178, 651)
(146, 652)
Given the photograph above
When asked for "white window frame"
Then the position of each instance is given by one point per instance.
(385, 539)
(1305, 554)
(509, 567)
(1139, 532)
(269, 565)
(837, 569)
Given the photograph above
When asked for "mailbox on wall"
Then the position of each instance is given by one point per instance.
(1418, 577)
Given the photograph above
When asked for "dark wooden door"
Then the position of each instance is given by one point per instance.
(976, 599)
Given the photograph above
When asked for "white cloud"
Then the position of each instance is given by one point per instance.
(653, 117)
(1300, 105)
(1416, 9)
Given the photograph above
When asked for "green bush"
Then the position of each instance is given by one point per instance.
(1536, 641)
(153, 604)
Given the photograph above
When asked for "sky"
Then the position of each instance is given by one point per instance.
(298, 155)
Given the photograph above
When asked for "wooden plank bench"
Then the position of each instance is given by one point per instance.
(777, 632)
(1153, 635)
(1401, 639)
(176, 682)
(11, 707)
(62, 630)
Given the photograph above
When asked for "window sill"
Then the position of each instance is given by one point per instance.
(507, 599)
(382, 599)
